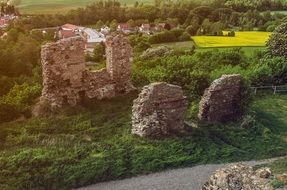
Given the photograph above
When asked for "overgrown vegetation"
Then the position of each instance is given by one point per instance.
(71, 149)
(92, 143)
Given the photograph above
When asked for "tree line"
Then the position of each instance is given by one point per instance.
(245, 14)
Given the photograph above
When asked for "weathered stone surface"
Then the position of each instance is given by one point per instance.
(264, 172)
(67, 81)
(237, 177)
(159, 111)
(221, 100)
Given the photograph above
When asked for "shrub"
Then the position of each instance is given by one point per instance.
(277, 43)
(231, 34)
(277, 184)
(166, 36)
(269, 71)
(18, 101)
(160, 51)
(185, 37)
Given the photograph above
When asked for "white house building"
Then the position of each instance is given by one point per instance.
(92, 37)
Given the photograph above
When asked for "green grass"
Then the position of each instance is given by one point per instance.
(177, 45)
(59, 6)
(279, 12)
(241, 39)
(83, 146)
(249, 51)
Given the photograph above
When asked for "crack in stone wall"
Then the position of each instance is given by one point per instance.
(66, 79)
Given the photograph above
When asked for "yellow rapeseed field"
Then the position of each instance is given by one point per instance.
(241, 39)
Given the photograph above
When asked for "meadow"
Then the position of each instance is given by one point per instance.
(241, 39)
(59, 6)
(248, 51)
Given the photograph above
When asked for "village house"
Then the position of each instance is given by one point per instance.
(125, 28)
(69, 30)
(145, 28)
(163, 26)
(5, 20)
(91, 36)
(3, 23)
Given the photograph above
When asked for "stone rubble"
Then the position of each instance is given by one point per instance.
(221, 100)
(159, 111)
(239, 177)
(66, 79)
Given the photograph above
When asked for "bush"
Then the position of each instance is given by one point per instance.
(231, 34)
(139, 43)
(277, 184)
(185, 37)
(269, 71)
(160, 51)
(277, 43)
(18, 101)
(166, 36)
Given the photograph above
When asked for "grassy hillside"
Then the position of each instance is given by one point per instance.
(84, 146)
(59, 6)
(241, 39)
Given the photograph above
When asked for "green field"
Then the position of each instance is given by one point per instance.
(249, 51)
(58, 6)
(241, 39)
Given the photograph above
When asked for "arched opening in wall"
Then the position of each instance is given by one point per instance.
(95, 56)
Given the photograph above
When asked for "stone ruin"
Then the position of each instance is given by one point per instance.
(221, 100)
(239, 177)
(66, 79)
(159, 111)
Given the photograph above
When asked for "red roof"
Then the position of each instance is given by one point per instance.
(4, 21)
(69, 27)
(124, 26)
(66, 34)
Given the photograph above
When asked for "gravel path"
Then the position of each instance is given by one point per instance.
(177, 179)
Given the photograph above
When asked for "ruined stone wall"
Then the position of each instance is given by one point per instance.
(66, 80)
(221, 100)
(119, 59)
(159, 111)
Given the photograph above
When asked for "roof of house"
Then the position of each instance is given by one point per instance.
(4, 21)
(67, 33)
(93, 36)
(124, 26)
(69, 27)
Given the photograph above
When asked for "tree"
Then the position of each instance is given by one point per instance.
(99, 24)
(98, 53)
(131, 23)
(114, 25)
(277, 43)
